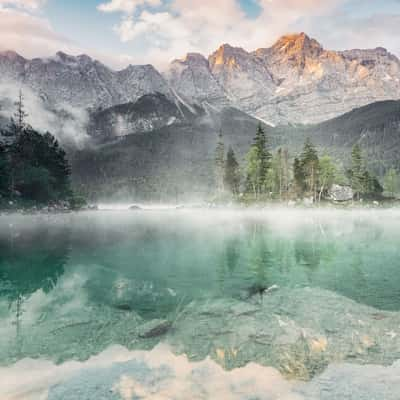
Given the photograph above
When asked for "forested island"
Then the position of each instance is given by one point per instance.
(310, 178)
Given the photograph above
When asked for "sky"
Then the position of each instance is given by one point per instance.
(122, 32)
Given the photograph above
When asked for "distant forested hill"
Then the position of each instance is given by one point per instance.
(177, 158)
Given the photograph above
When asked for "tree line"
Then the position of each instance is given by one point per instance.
(268, 175)
(34, 169)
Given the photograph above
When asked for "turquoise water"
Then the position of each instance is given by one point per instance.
(64, 277)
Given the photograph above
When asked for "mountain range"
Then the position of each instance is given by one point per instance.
(145, 130)
(294, 81)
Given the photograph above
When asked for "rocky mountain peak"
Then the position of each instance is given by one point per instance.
(298, 45)
(11, 55)
(193, 59)
(227, 55)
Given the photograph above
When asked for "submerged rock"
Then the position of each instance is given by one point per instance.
(297, 331)
(159, 374)
(154, 328)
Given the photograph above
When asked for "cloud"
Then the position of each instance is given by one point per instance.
(29, 34)
(202, 25)
(26, 4)
(344, 31)
(127, 6)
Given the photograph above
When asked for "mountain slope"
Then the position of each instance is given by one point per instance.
(298, 81)
(80, 81)
(177, 159)
(294, 81)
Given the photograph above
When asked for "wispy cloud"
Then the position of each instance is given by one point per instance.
(127, 6)
(202, 25)
(25, 4)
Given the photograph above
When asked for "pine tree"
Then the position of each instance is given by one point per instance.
(299, 178)
(310, 167)
(264, 155)
(5, 177)
(392, 182)
(232, 175)
(219, 165)
(357, 171)
(20, 114)
(278, 181)
(258, 163)
(253, 169)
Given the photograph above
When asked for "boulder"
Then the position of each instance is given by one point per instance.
(341, 193)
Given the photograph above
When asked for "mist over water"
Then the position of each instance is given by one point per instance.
(74, 285)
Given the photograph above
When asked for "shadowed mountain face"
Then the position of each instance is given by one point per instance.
(294, 81)
(376, 127)
(176, 156)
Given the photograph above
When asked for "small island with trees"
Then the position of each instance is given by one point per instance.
(306, 180)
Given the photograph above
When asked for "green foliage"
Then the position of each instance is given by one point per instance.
(258, 163)
(253, 171)
(357, 171)
(362, 181)
(327, 174)
(5, 177)
(232, 173)
(310, 166)
(38, 170)
(277, 181)
(41, 170)
(299, 177)
(392, 182)
(219, 164)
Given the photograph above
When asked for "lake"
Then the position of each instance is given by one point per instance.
(283, 293)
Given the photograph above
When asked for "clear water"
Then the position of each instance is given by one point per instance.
(70, 284)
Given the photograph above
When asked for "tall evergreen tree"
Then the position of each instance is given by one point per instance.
(310, 167)
(259, 162)
(219, 164)
(5, 177)
(279, 173)
(232, 174)
(253, 169)
(357, 171)
(392, 182)
(20, 115)
(299, 177)
(264, 154)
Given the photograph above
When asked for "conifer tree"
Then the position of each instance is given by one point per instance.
(232, 174)
(5, 177)
(20, 114)
(219, 164)
(264, 155)
(392, 182)
(299, 178)
(310, 167)
(258, 163)
(357, 171)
